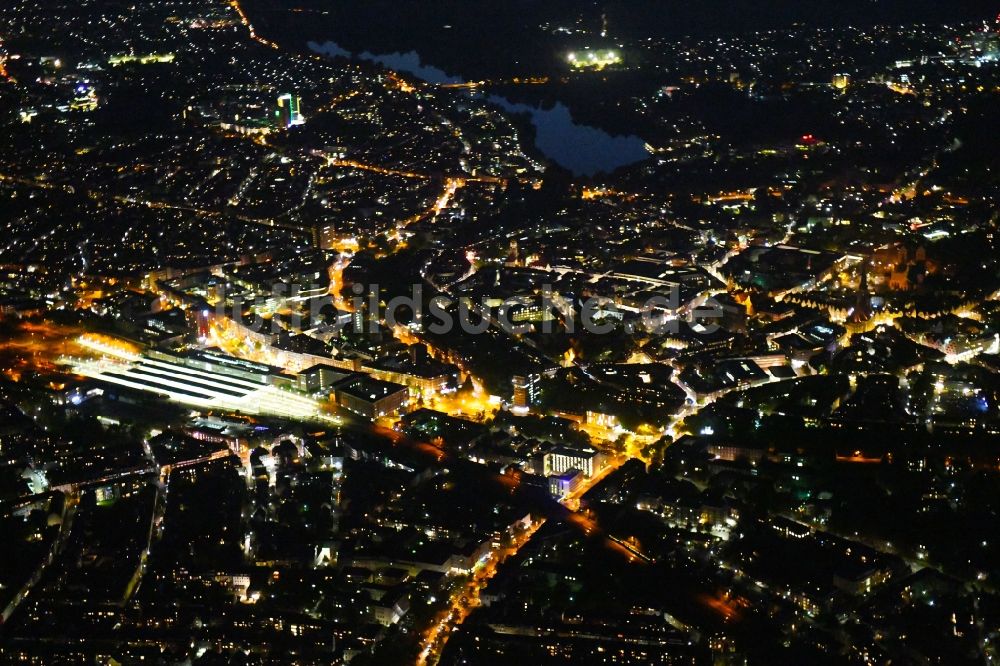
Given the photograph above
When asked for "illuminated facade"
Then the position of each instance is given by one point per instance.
(289, 111)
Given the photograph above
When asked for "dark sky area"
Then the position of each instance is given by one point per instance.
(661, 18)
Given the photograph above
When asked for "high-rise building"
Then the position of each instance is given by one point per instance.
(525, 391)
(289, 111)
(359, 318)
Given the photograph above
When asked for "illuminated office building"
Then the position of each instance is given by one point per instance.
(289, 111)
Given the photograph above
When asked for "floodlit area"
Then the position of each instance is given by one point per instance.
(591, 59)
(200, 388)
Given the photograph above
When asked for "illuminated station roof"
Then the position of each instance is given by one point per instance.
(205, 388)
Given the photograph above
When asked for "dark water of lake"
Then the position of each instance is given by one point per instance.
(581, 149)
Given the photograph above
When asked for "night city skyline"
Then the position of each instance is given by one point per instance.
(450, 332)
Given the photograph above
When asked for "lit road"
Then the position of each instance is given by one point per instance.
(459, 180)
(451, 184)
(466, 599)
(336, 273)
(245, 20)
(516, 81)
(543, 508)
